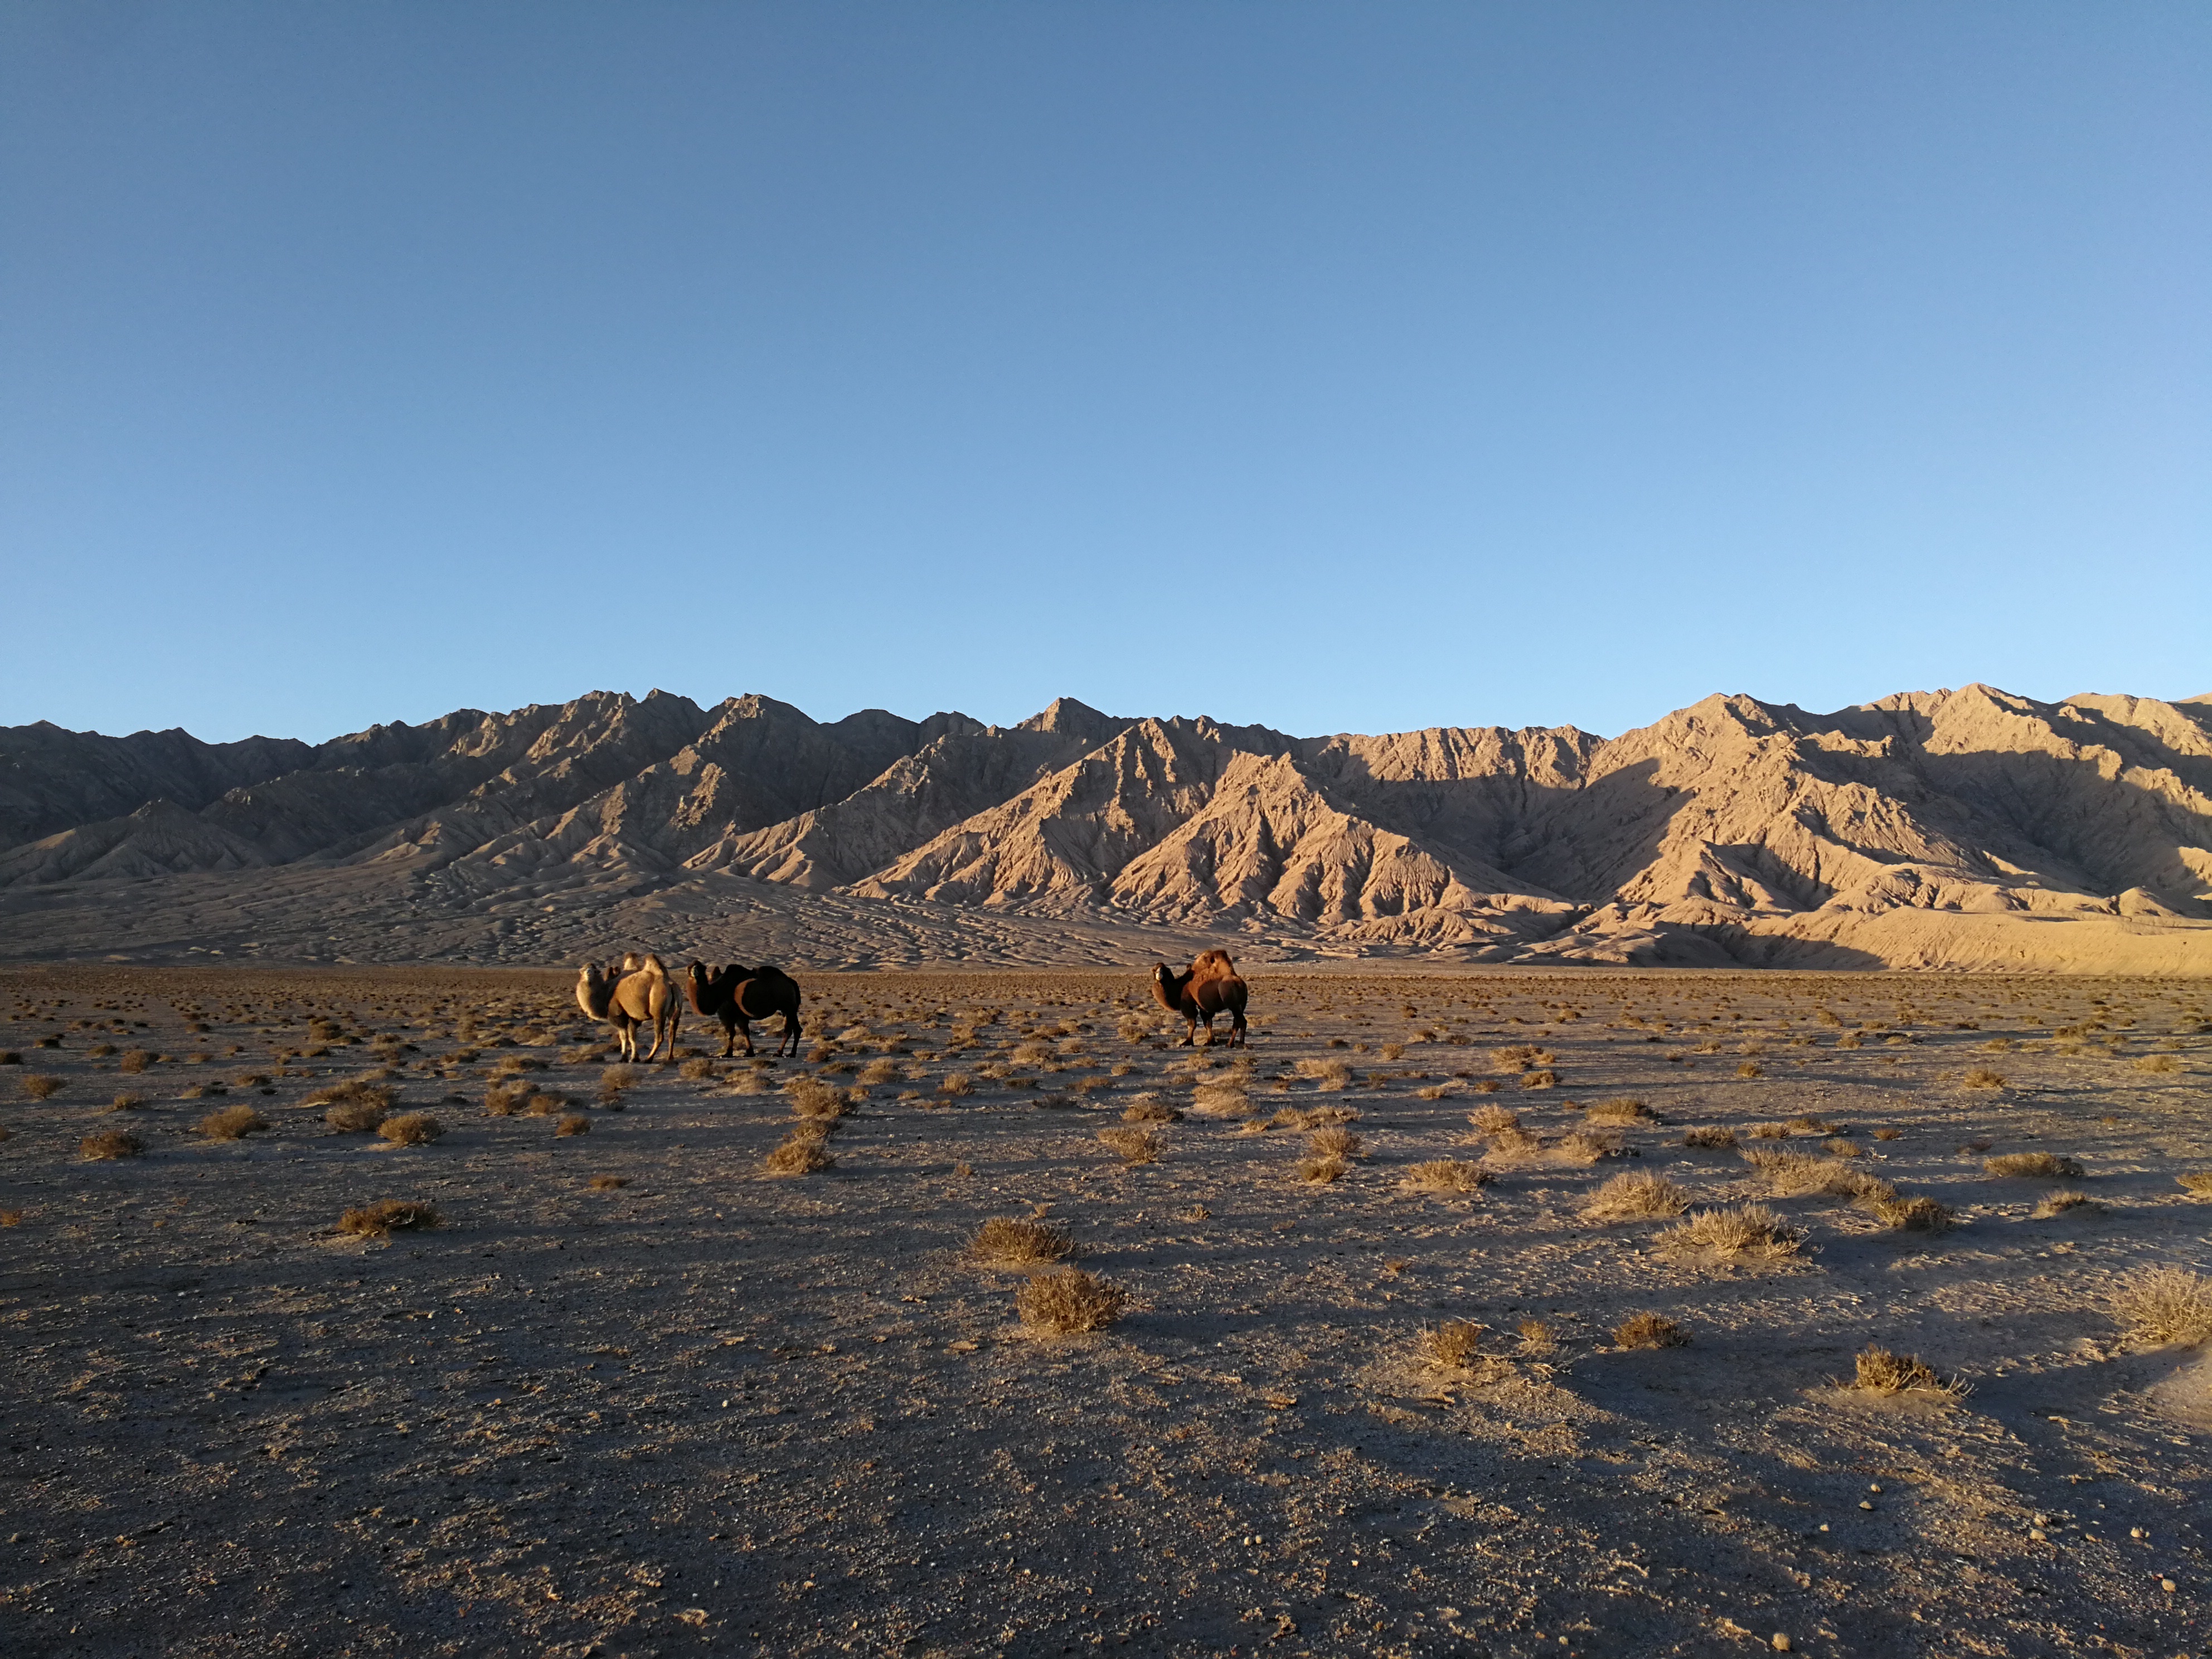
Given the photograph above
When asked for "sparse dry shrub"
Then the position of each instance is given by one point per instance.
(1635, 1195)
(1320, 1172)
(1446, 1175)
(506, 1099)
(2043, 1166)
(391, 1215)
(134, 1061)
(616, 1078)
(111, 1143)
(2198, 1183)
(129, 1101)
(1710, 1139)
(799, 1155)
(1619, 1111)
(1918, 1213)
(1131, 1027)
(879, 1071)
(1536, 1335)
(1223, 1098)
(231, 1123)
(576, 1123)
(1735, 1230)
(2160, 1063)
(1453, 1344)
(1069, 1302)
(542, 1103)
(1133, 1145)
(1540, 1079)
(1494, 1120)
(698, 1071)
(1488, 1085)
(40, 1085)
(1588, 1145)
(1982, 1077)
(410, 1129)
(1881, 1371)
(957, 1083)
(1330, 1074)
(1838, 1146)
(355, 1116)
(1649, 1330)
(1791, 1175)
(1521, 1057)
(1751, 1068)
(2156, 1306)
(608, 1183)
(811, 1099)
(1889, 1134)
(1770, 1131)
(1334, 1141)
(1009, 1241)
(2058, 1204)
(1150, 1108)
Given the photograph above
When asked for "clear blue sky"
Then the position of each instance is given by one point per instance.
(1339, 368)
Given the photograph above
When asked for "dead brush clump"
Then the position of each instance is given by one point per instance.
(1540, 1079)
(1133, 1147)
(231, 1123)
(2156, 1306)
(40, 1086)
(1223, 1098)
(1130, 1028)
(129, 1101)
(1318, 1171)
(2058, 1204)
(1069, 1302)
(576, 1123)
(1710, 1139)
(2037, 1166)
(410, 1129)
(1588, 1145)
(1621, 1111)
(1982, 1077)
(1734, 1230)
(1332, 1075)
(110, 1144)
(1791, 1175)
(1011, 1241)
(390, 1215)
(880, 1070)
(1635, 1195)
(607, 1183)
(506, 1099)
(956, 1083)
(355, 1116)
(1914, 1212)
(1521, 1057)
(1454, 1347)
(803, 1151)
(697, 1071)
(2198, 1183)
(1649, 1330)
(812, 1099)
(1445, 1175)
(613, 1080)
(1494, 1120)
(1334, 1141)
(1150, 1108)
(1878, 1370)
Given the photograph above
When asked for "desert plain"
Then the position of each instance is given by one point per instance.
(1474, 1312)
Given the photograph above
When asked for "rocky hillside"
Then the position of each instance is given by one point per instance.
(1959, 828)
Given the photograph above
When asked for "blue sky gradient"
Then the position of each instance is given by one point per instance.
(1336, 367)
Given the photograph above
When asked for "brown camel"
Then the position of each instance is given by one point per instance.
(636, 992)
(1210, 987)
(735, 995)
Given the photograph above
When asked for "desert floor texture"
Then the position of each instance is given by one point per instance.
(639, 1394)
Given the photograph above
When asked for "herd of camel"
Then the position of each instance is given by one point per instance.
(638, 992)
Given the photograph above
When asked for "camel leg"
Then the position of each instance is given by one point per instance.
(729, 1037)
(746, 1030)
(1237, 1039)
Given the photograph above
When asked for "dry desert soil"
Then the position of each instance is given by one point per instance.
(1366, 1391)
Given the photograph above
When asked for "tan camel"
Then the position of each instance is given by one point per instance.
(735, 995)
(1210, 987)
(637, 992)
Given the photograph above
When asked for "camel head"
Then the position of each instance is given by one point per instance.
(593, 987)
(1160, 975)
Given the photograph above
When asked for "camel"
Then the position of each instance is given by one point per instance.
(1210, 987)
(634, 993)
(735, 995)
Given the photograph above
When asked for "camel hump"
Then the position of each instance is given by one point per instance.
(1213, 964)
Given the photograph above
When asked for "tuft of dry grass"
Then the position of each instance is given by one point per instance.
(810, 1099)
(575, 1123)
(1011, 1241)
(1330, 1074)
(355, 1116)
(879, 1071)
(391, 1215)
(1334, 1141)
(1649, 1330)
(1751, 1068)
(608, 1183)
(1588, 1145)
(799, 1155)
(1881, 1371)
(1493, 1119)
(1320, 1172)
(698, 1071)
(1982, 1077)
(1635, 1195)
(410, 1129)
(1619, 1111)
(231, 1123)
(129, 1101)
(134, 1061)
(2156, 1306)
(957, 1083)
(1540, 1079)
(1223, 1097)
(111, 1143)
(1134, 1145)
(2058, 1204)
(1151, 1108)
(1735, 1230)
(1445, 1175)
(2198, 1183)
(1711, 1139)
(40, 1085)
(1770, 1131)
(1069, 1302)
(1521, 1057)
(1918, 1213)
(1453, 1345)
(2044, 1166)
(1792, 1175)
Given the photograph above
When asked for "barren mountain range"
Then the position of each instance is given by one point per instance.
(1963, 829)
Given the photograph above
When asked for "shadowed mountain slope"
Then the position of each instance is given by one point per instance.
(1931, 829)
